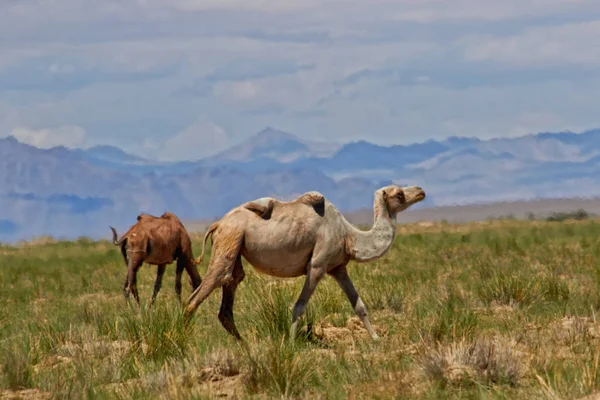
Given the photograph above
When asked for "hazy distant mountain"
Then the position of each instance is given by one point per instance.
(111, 154)
(69, 193)
(366, 159)
(276, 145)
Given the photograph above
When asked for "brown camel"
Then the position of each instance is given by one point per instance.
(307, 236)
(158, 241)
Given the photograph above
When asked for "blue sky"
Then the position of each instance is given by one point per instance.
(182, 79)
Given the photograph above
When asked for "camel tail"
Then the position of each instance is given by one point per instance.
(115, 236)
(210, 231)
(120, 243)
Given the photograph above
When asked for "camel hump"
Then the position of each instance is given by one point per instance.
(145, 216)
(312, 198)
(261, 207)
(169, 215)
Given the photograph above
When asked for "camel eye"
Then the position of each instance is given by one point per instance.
(400, 196)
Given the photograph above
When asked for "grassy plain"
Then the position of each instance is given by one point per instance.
(499, 309)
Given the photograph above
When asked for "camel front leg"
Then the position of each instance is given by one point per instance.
(157, 285)
(313, 277)
(341, 276)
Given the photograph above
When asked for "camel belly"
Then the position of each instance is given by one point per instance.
(273, 263)
(159, 260)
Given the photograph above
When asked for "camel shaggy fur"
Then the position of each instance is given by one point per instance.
(158, 241)
(304, 237)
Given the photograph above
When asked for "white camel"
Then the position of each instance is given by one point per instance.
(307, 236)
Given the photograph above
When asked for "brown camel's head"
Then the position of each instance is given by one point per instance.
(399, 198)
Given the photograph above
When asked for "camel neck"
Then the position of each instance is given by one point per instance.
(374, 243)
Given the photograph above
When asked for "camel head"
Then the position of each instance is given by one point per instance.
(399, 198)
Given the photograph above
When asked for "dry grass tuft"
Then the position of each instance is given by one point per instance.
(27, 394)
(483, 361)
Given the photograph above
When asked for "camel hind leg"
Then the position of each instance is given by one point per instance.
(226, 311)
(195, 280)
(227, 244)
(135, 262)
(192, 271)
(160, 272)
(178, 273)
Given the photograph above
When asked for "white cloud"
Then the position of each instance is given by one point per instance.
(390, 114)
(237, 91)
(70, 136)
(428, 11)
(202, 138)
(570, 44)
(446, 69)
(533, 122)
(260, 5)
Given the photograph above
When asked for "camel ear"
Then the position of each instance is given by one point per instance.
(385, 195)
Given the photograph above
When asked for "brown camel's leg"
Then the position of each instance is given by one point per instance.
(135, 262)
(315, 272)
(192, 271)
(226, 249)
(178, 274)
(226, 311)
(126, 275)
(159, 276)
(341, 276)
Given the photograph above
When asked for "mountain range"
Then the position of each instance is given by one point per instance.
(73, 192)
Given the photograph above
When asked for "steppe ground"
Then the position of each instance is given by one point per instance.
(498, 309)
